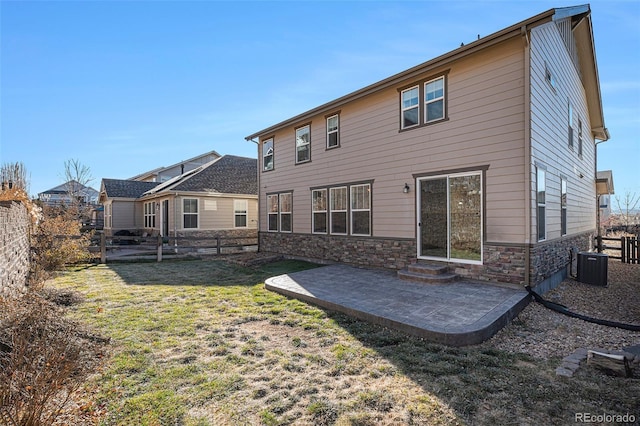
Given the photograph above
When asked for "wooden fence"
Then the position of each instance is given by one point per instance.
(162, 246)
(628, 247)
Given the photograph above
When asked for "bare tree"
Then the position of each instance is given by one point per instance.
(14, 175)
(77, 177)
(627, 207)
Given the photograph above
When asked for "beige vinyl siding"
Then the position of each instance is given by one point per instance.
(549, 135)
(485, 128)
(123, 215)
(220, 218)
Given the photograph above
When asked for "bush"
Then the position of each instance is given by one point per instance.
(56, 242)
(44, 358)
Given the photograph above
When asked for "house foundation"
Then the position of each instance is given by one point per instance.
(504, 263)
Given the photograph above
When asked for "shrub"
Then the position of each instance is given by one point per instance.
(44, 358)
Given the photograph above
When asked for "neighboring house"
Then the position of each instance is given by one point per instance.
(604, 190)
(65, 194)
(163, 174)
(217, 198)
(482, 159)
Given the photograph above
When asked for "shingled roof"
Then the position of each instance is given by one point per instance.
(228, 175)
(119, 188)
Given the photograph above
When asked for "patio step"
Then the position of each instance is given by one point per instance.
(427, 273)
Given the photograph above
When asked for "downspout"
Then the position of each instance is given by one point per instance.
(175, 222)
(258, 179)
(527, 156)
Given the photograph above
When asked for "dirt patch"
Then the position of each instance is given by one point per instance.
(543, 333)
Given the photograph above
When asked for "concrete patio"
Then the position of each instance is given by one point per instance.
(460, 313)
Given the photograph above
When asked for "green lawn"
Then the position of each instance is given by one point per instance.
(203, 343)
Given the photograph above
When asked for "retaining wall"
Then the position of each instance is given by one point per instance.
(14, 247)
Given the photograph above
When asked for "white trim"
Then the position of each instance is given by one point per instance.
(197, 214)
(403, 109)
(240, 206)
(345, 211)
(448, 258)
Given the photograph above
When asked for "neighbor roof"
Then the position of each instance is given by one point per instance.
(227, 175)
(120, 188)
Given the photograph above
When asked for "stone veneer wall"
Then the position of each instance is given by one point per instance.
(14, 247)
(361, 251)
(502, 262)
(245, 236)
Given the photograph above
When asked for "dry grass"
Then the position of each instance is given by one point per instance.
(203, 343)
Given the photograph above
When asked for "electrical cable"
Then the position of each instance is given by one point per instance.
(565, 311)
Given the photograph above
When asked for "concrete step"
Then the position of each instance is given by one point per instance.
(428, 268)
(428, 278)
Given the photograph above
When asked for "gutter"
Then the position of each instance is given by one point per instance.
(440, 61)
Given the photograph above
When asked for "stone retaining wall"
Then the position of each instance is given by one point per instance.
(14, 247)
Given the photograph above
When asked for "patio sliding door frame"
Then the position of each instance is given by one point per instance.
(419, 178)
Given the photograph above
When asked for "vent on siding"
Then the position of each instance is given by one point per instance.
(565, 29)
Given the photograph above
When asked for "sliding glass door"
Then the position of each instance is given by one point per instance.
(450, 217)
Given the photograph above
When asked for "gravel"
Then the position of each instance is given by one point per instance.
(543, 333)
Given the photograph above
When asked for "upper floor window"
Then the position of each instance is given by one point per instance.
(267, 155)
(570, 123)
(410, 107)
(333, 131)
(580, 138)
(434, 100)
(432, 108)
(240, 208)
(303, 144)
(548, 75)
(190, 213)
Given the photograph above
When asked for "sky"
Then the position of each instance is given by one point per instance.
(125, 87)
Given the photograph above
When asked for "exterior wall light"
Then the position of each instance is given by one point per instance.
(406, 188)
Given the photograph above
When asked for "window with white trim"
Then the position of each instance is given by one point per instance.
(285, 211)
(150, 215)
(279, 212)
(267, 155)
(410, 107)
(434, 100)
(563, 206)
(333, 131)
(338, 215)
(240, 208)
(541, 182)
(303, 144)
(272, 213)
(319, 211)
(190, 213)
(361, 209)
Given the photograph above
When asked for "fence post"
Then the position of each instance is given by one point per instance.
(159, 248)
(103, 248)
(599, 243)
(218, 245)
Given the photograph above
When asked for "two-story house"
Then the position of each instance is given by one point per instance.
(482, 159)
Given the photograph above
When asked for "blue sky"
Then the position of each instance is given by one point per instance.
(125, 87)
